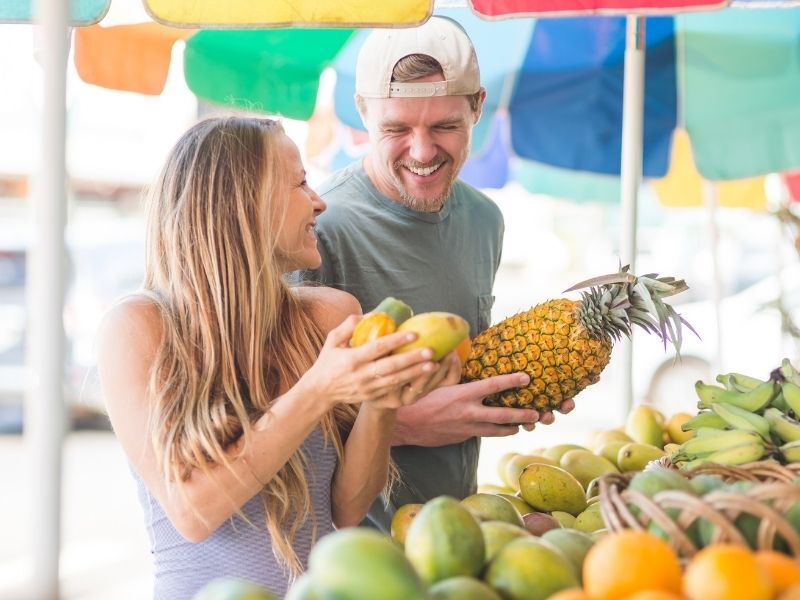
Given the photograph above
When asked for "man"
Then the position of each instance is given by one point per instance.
(401, 224)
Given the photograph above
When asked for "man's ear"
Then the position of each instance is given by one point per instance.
(479, 109)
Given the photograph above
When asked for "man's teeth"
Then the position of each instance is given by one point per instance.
(424, 171)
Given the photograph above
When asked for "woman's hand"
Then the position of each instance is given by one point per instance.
(367, 373)
(448, 373)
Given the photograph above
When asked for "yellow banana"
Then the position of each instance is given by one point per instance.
(788, 371)
(739, 418)
(791, 394)
(779, 402)
(708, 393)
(738, 455)
(739, 382)
(701, 446)
(783, 426)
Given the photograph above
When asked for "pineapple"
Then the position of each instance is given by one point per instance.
(564, 344)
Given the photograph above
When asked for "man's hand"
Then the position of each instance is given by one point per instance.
(452, 414)
(547, 417)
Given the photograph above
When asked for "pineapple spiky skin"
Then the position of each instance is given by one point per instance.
(550, 344)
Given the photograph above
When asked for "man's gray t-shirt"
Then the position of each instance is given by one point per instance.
(373, 247)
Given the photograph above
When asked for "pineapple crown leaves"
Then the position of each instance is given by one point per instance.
(616, 302)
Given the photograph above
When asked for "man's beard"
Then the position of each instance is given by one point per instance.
(428, 205)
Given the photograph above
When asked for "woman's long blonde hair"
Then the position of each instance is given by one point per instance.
(234, 333)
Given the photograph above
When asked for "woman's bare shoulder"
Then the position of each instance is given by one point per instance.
(329, 306)
(133, 318)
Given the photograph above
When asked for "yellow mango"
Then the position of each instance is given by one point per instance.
(442, 332)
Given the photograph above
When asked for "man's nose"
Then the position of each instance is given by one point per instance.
(423, 147)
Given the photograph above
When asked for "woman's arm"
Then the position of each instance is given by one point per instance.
(128, 340)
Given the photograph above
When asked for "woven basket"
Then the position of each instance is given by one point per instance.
(768, 500)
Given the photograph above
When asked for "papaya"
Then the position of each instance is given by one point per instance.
(362, 564)
(442, 332)
(445, 540)
(382, 320)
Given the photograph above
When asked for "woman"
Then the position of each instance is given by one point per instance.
(251, 427)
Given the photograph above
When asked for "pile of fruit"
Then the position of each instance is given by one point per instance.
(744, 419)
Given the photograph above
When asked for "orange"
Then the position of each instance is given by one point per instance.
(783, 570)
(654, 595)
(570, 594)
(790, 593)
(623, 563)
(726, 572)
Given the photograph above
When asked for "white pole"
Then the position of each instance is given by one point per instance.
(44, 408)
(631, 169)
(710, 201)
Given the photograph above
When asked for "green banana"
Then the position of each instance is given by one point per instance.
(706, 419)
(738, 455)
(708, 393)
(752, 400)
(700, 446)
(783, 426)
(788, 371)
(739, 418)
(791, 394)
(779, 402)
(791, 452)
(739, 382)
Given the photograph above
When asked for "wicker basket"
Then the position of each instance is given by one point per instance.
(768, 500)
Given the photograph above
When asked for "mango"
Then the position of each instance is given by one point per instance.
(303, 588)
(399, 311)
(635, 456)
(444, 540)
(363, 564)
(572, 543)
(673, 428)
(522, 507)
(609, 435)
(590, 519)
(555, 453)
(538, 523)
(491, 507)
(527, 569)
(586, 465)
(564, 519)
(610, 449)
(440, 331)
(644, 425)
(462, 588)
(497, 534)
(402, 519)
(547, 488)
(491, 488)
(231, 588)
(516, 464)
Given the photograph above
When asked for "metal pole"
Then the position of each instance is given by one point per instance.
(44, 408)
(631, 169)
(710, 201)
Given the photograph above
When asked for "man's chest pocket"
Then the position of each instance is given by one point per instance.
(485, 304)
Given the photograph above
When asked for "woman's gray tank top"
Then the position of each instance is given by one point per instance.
(236, 548)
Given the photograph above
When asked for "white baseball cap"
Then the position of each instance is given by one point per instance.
(440, 38)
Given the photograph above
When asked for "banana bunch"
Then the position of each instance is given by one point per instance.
(744, 419)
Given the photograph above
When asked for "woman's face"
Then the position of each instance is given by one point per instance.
(297, 240)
